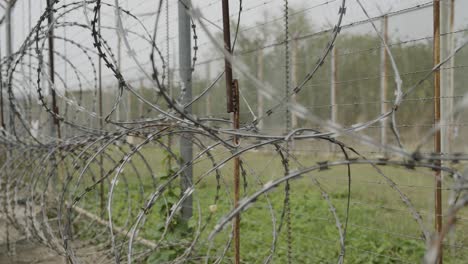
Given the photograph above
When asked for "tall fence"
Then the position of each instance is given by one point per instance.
(234, 131)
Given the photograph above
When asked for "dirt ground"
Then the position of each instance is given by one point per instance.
(24, 251)
(27, 252)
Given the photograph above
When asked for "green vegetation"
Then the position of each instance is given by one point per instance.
(380, 230)
(381, 227)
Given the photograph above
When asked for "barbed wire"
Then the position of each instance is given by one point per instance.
(94, 185)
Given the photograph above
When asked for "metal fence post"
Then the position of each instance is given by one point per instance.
(437, 135)
(383, 84)
(101, 124)
(334, 78)
(232, 95)
(55, 109)
(260, 77)
(185, 65)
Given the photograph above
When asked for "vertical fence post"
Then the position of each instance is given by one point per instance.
(449, 99)
(295, 77)
(119, 54)
(55, 109)
(444, 76)
(9, 41)
(9, 37)
(287, 75)
(451, 87)
(140, 104)
(437, 135)
(334, 78)
(232, 95)
(9, 6)
(168, 60)
(260, 99)
(55, 124)
(236, 125)
(185, 65)
(129, 106)
(65, 130)
(30, 59)
(8, 54)
(2, 122)
(447, 75)
(169, 77)
(227, 47)
(208, 95)
(101, 124)
(383, 84)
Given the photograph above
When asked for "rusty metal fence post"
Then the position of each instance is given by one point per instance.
(437, 135)
(236, 125)
(232, 95)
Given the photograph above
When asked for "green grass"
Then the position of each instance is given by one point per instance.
(381, 228)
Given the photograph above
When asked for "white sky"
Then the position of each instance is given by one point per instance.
(320, 12)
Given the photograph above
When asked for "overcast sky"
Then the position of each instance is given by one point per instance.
(322, 13)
